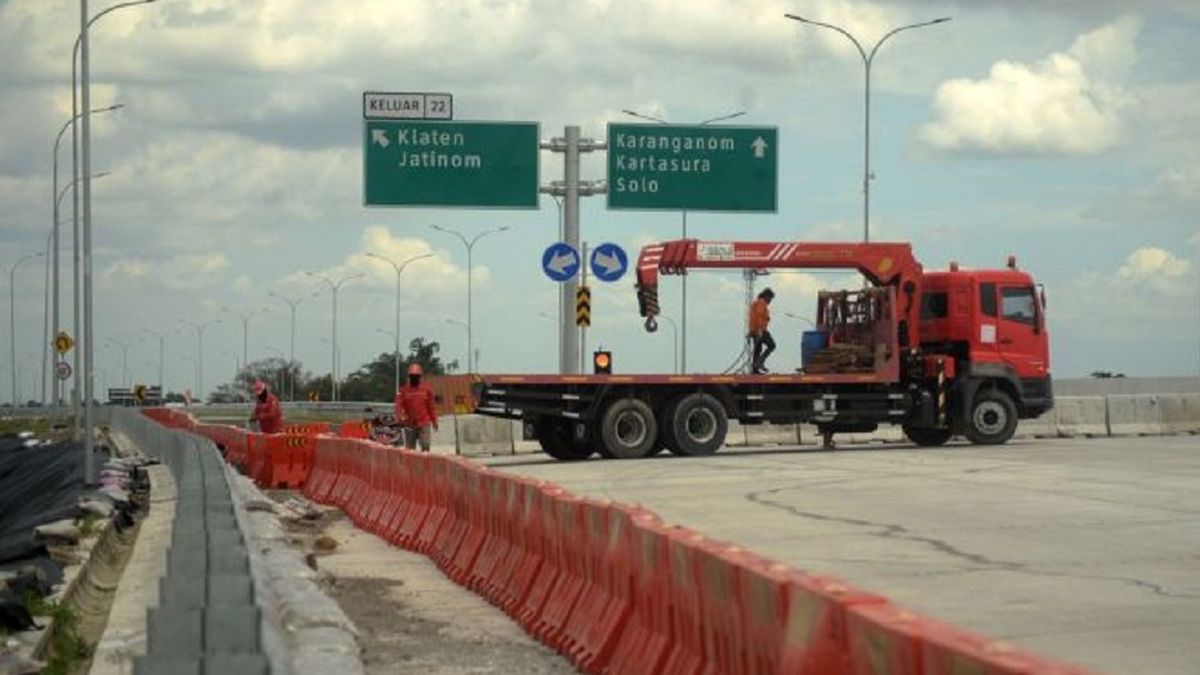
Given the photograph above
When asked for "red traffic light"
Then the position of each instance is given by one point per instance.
(602, 363)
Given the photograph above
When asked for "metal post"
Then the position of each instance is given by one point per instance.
(85, 171)
(572, 340)
(12, 318)
(583, 270)
(46, 322)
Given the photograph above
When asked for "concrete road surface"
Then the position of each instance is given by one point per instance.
(1084, 550)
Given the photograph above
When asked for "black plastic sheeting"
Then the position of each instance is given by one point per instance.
(37, 486)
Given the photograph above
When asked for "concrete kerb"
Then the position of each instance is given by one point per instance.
(306, 628)
(1081, 416)
(771, 434)
(1134, 415)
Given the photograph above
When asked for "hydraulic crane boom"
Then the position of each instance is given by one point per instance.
(884, 264)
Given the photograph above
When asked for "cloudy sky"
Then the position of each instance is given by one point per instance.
(1062, 132)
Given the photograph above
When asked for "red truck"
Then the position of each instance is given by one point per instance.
(957, 352)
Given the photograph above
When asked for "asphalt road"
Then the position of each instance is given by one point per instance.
(1085, 550)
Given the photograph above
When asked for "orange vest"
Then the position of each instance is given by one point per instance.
(760, 316)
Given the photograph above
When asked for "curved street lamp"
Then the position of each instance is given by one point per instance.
(12, 316)
(399, 267)
(470, 245)
(868, 59)
(334, 287)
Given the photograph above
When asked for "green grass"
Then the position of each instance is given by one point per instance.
(12, 425)
(67, 650)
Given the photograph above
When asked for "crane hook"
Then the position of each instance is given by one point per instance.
(651, 324)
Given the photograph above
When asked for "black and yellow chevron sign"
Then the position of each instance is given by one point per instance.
(583, 307)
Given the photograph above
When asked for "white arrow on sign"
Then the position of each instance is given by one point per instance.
(610, 263)
(760, 147)
(379, 136)
(559, 263)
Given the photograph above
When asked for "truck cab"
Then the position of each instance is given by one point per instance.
(992, 323)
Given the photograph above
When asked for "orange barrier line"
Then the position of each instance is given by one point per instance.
(609, 586)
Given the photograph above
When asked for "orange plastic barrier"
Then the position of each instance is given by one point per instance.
(609, 586)
(309, 429)
(355, 429)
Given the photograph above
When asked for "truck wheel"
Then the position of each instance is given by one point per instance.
(628, 430)
(926, 437)
(993, 418)
(560, 443)
(666, 431)
(699, 425)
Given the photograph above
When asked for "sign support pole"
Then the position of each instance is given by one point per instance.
(583, 271)
(571, 189)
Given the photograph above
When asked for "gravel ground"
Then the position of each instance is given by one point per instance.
(410, 617)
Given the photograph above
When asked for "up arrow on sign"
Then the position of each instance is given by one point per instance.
(760, 148)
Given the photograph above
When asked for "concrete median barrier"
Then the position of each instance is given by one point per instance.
(886, 433)
(1134, 415)
(1180, 413)
(735, 437)
(1081, 416)
(481, 435)
(771, 434)
(1044, 426)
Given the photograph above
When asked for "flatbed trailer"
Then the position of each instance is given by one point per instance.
(968, 356)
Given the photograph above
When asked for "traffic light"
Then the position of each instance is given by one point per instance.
(583, 307)
(602, 363)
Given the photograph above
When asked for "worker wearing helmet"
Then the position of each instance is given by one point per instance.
(764, 344)
(415, 410)
(268, 416)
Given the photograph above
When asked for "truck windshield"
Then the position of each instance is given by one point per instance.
(934, 305)
(1017, 304)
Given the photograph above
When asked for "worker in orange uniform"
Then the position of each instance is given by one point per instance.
(415, 410)
(764, 344)
(267, 413)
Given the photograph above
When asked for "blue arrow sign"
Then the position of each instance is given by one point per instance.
(560, 262)
(609, 262)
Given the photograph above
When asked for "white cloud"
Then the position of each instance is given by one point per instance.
(1157, 269)
(1069, 103)
(181, 272)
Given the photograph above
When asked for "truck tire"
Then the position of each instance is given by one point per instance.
(698, 425)
(628, 430)
(560, 443)
(992, 419)
(926, 437)
(666, 432)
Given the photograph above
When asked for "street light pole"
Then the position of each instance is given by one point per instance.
(84, 168)
(124, 347)
(399, 273)
(292, 304)
(333, 289)
(465, 327)
(162, 348)
(674, 338)
(245, 317)
(56, 386)
(12, 316)
(683, 312)
(470, 245)
(867, 59)
(199, 352)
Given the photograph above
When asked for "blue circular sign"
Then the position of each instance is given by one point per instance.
(560, 262)
(609, 262)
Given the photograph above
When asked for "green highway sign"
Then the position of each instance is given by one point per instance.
(693, 167)
(443, 163)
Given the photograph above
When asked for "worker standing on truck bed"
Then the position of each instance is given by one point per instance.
(267, 414)
(415, 410)
(764, 344)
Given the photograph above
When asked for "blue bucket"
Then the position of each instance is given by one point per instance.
(811, 342)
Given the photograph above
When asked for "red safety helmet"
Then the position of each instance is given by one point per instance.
(258, 387)
(415, 369)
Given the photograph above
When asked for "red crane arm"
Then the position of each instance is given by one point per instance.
(884, 264)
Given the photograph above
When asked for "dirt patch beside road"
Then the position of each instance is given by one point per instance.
(409, 616)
